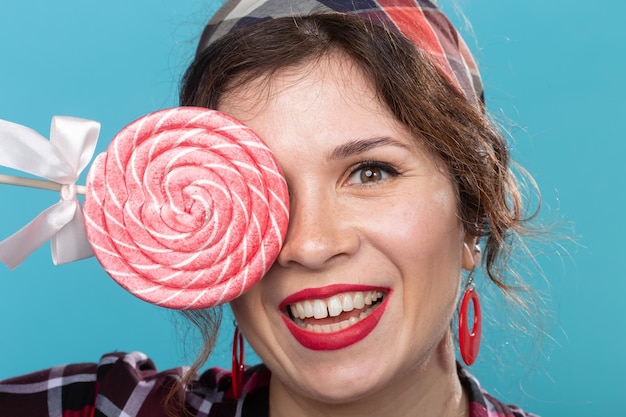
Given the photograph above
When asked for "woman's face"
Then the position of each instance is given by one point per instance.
(364, 289)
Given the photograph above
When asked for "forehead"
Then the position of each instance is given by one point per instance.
(315, 109)
(333, 75)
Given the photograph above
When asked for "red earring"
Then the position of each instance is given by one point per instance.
(238, 363)
(469, 342)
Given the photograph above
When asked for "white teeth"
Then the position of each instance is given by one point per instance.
(347, 305)
(335, 327)
(358, 300)
(300, 310)
(368, 299)
(307, 306)
(320, 311)
(334, 306)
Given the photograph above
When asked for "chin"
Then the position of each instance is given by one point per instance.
(339, 385)
(345, 393)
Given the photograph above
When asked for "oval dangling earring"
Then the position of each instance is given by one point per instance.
(238, 368)
(469, 341)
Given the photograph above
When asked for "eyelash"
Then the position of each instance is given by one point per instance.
(386, 168)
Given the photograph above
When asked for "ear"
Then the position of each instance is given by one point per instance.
(471, 252)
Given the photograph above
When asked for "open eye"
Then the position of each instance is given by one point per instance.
(371, 172)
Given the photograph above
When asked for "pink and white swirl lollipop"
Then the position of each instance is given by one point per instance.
(187, 208)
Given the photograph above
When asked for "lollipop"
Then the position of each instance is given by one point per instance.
(186, 209)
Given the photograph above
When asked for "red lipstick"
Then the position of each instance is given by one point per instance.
(325, 292)
(339, 339)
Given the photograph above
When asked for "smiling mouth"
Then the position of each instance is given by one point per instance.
(335, 313)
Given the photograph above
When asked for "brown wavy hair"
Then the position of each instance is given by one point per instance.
(456, 130)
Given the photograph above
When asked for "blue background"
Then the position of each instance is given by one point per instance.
(554, 74)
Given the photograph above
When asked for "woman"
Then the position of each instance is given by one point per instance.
(395, 177)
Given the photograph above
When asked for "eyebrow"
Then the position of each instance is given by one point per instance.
(360, 146)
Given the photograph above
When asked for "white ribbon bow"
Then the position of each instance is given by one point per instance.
(60, 160)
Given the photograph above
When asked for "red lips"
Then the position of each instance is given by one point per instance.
(338, 339)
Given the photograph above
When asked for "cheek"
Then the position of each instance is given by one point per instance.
(428, 250)
(426, 229)
(424, 241)
(253, 308)
(247, 317)
(244, 306)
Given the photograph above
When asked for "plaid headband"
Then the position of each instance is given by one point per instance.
(419, 20)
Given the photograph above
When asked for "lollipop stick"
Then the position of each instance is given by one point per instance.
(35, 183)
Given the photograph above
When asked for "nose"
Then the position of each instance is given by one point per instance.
(319, 233)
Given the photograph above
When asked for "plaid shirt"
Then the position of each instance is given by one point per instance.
(129, 385)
